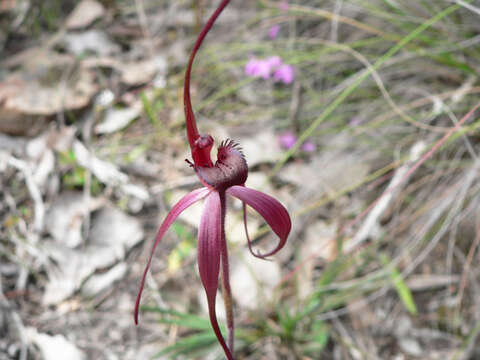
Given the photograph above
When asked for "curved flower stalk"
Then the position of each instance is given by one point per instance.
(226, 176)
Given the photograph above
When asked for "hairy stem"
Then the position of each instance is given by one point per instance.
(226, 290)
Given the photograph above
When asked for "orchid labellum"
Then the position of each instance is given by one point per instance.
(226, 176)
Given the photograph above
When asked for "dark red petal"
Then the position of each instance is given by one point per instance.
(181, 205)
(209, 247)
(272, 211)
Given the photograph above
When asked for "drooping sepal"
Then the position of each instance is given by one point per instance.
(209, 250)
(177, 209)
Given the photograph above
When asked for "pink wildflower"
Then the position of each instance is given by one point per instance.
(287, 140)
(355, 121)
(284, 73)
(258, 68)
(273, 32)
(309, 146)
(274, 61)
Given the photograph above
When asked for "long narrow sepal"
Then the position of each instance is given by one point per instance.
(177, 209)
(226, 289)
(271, 210)
(192, 131)
(209, 249)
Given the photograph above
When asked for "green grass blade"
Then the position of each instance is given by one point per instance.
(401, 287)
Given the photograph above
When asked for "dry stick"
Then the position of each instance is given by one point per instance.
(17, 321)
(468, 6)
(334, 17)
(39, 212)
(405, 176)
(413, 168)
(425, 101)
(142, 18)
(39, 217)
(466, 268)
(336, 12)
(457, 201)
(371, 221)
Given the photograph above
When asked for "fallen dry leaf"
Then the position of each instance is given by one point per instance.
(137, 73)
(7, 5)
(91, 41)
(261, 147)
(117, 119)
(85, 13)
(253, 280)
(46, 86)
(54, 347)
(112, 234)
(66, 216)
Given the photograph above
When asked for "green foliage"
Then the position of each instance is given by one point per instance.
(183, 249)
(198, 339)
(74, 177)
(400, 286)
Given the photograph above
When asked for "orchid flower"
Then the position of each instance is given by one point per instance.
(226, 176)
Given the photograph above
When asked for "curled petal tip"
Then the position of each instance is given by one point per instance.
(271, 210)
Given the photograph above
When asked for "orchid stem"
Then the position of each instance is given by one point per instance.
(226, 290)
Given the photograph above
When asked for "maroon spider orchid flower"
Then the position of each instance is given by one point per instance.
(226, 177)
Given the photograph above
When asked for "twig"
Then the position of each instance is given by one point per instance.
(371, 222)
(468, 263)
(142, 17)
(33, 189)
(17, 321)
(336, 12)
(468, 6)
(459, 199)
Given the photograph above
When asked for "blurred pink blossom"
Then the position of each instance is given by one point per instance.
(284, 73)
(287, 140)
(355, 121)
(258, 68)
(264, 67)
(284, 5)
(274, 61)
(273, 32)
(309, 146)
